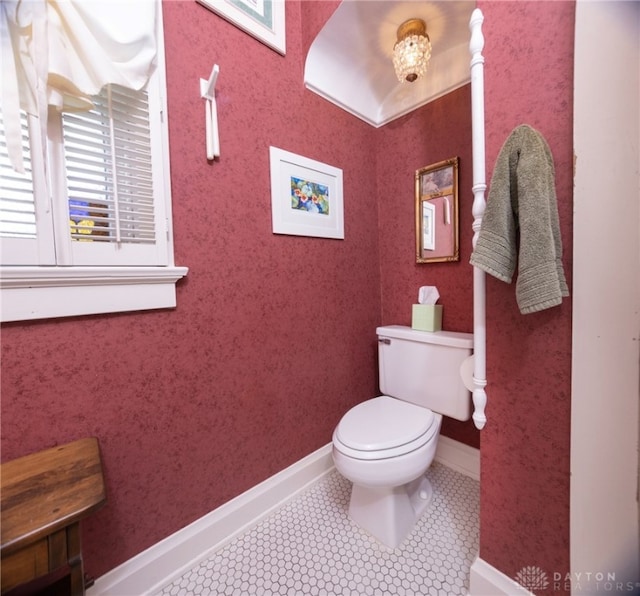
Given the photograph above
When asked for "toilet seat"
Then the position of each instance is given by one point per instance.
(384, 427)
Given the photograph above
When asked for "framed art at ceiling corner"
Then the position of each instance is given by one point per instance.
(262, 19)
(306, 196)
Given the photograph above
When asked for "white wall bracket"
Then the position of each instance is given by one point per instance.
(476, 46)
(208, 93)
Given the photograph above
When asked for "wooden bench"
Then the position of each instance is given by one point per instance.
(44, 496)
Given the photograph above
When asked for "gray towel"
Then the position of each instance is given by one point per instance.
(522, 196)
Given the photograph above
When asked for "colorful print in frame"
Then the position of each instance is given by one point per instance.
(306, 196)
(309, 196)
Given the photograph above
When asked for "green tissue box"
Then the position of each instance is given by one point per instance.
(427, 317)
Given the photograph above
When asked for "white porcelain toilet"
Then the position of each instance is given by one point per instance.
(385, 445)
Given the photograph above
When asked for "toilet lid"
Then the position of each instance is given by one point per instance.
(385, 423)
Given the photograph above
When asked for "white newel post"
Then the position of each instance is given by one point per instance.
(479, 187)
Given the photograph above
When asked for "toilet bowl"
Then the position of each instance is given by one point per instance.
(385, 446)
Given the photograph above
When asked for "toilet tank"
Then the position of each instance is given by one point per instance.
(424, 368)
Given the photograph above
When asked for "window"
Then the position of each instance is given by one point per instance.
(87, 228)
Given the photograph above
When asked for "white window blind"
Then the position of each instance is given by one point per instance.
(26, 236)
(87, 228)
(114, 217)
(108, 167)
(102, 173)
(17, 208)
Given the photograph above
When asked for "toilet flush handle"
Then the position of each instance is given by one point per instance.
(384, 340)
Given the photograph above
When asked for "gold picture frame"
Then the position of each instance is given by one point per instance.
(437, 235)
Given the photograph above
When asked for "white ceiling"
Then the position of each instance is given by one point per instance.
(349, 63)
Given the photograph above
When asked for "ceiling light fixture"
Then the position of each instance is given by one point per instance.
(412, 51)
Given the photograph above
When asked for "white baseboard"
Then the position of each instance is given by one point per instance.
(162, 563)
(159, 565)
(486, 580)
(458, 457)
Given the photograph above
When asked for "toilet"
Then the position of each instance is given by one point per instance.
(385, 445)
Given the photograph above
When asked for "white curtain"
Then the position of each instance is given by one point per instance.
(61, 52)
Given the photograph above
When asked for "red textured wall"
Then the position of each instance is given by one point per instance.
(525, 445)
(272, 340)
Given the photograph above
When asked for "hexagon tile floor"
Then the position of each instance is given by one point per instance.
(310, 547)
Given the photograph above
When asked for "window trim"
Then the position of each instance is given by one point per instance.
(44, 292)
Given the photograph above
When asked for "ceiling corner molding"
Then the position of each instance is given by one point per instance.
(349, 62)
